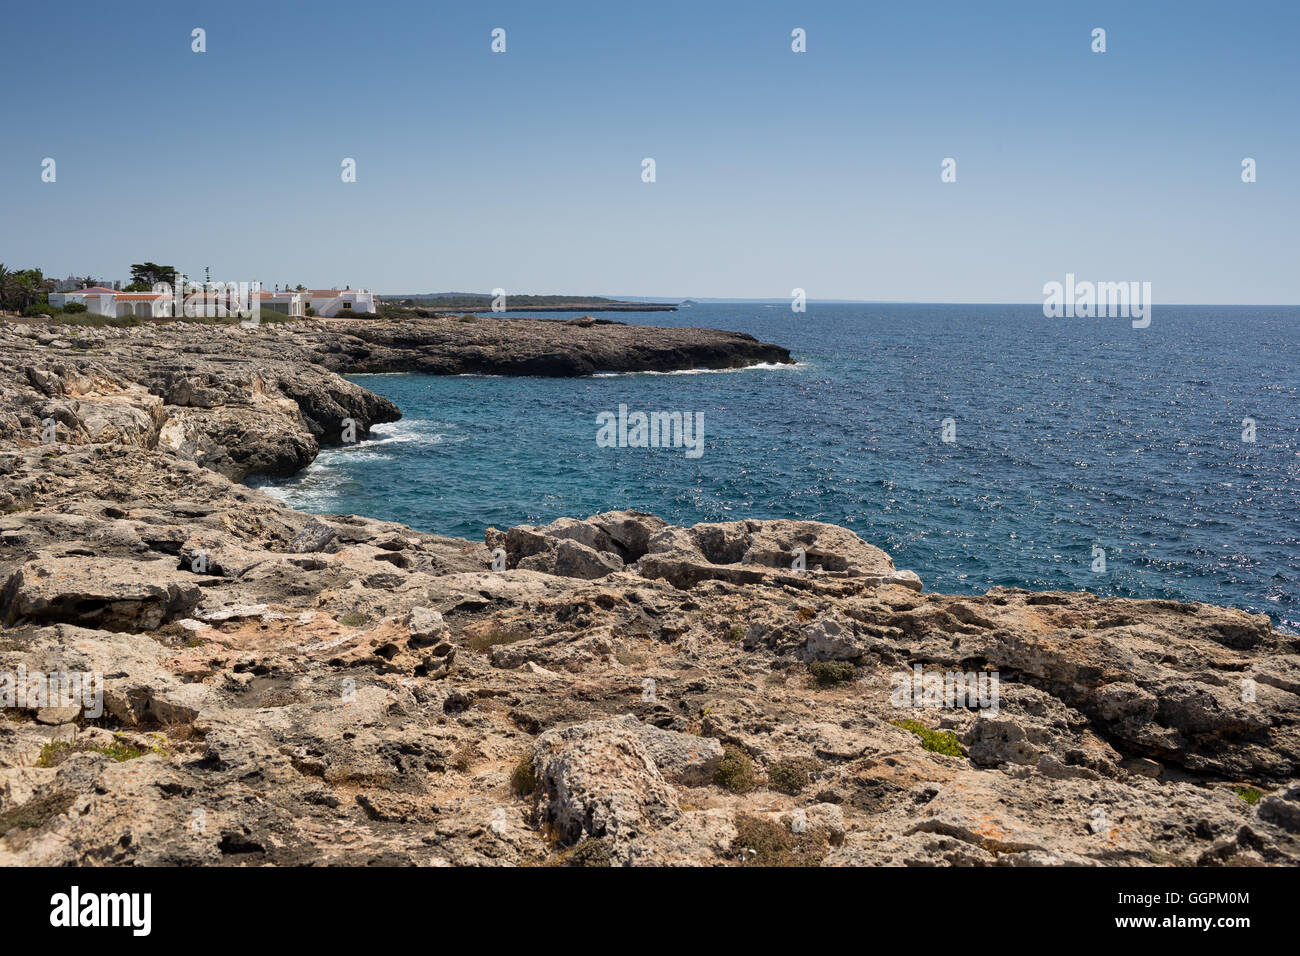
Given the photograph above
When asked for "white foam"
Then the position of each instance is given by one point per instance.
(761, 366)
(400, 432)
(279, 492)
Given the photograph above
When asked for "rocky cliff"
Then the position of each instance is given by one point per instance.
(284, 688)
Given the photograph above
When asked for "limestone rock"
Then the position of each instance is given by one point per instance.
(93, 592)
(599, 780)
(342, 690)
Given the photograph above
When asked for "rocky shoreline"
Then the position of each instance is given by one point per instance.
(263, 401)
(499, 345)
(281, 688)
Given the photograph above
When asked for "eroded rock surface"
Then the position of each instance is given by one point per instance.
(286, 688)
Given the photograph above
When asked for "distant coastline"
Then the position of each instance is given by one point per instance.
(456, 302)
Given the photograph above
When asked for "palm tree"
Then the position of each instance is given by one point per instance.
(25, 285)
(8, 290)
(22, 287)
(29, 284)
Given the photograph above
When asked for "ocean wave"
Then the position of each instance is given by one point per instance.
(761, 366)
(278, 492)
(402, 432)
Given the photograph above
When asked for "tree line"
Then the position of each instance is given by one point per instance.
(21, 289)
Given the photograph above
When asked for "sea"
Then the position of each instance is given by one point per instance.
(979, 445)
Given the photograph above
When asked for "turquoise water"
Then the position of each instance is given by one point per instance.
(1069, 435)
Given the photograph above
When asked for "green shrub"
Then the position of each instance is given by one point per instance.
(57, 751)
(825, 673)
(1249, 794)
(54, 753)
(936, 741)
(523, 780)
(791, 776)
(121, 751)
(40, 308)
(735, 771)
(591, 852)
(768, 843)
(73, 307)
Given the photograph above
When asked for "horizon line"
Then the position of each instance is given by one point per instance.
(671, 300)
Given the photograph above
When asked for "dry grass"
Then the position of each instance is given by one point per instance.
(481, 643)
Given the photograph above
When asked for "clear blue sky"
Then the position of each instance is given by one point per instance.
(775, 170)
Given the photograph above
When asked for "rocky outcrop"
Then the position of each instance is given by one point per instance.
(119, 595)
(263, 400)
(279, 688)
(496, 345)
(598, 780)
(742, 552)
(227, 398)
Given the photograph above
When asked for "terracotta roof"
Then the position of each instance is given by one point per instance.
(89, 290)
(140, 296)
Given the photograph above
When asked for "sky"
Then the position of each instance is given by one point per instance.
(774, 170)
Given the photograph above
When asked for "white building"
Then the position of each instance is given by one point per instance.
(327, 303)
(102, 301)
(288, 303)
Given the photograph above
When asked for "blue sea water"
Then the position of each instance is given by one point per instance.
(1070, 435)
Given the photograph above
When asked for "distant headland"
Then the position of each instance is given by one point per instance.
(440, 302)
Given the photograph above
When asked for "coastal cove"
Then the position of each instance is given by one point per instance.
(275, 687)
(1068, 435)
(793, 458)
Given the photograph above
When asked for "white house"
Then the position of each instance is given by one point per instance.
(331, 302)
(59, 299)
(289, 303)
(102, 301)
(327, 303)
